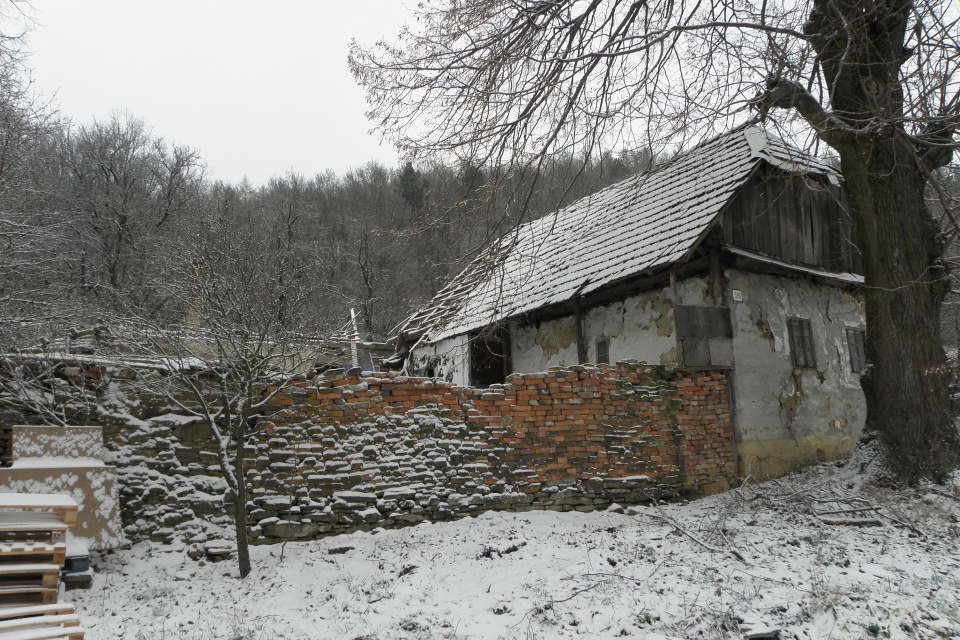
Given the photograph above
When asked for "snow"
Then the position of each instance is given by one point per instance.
(35, 501)
(57, 462)
(737, 565)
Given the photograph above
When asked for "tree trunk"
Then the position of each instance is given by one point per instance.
(240, 499)
(906, 384)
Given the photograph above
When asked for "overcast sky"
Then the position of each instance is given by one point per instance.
(259, 88)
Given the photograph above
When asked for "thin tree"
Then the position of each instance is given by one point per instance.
(516, 81)
(239, 344)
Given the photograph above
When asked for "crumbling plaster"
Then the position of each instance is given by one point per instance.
(787, 416)
(784, 417)
(637, 328)
(449, 359)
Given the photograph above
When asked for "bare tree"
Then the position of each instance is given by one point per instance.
(121, 187)
(240, 342)
(516, 81)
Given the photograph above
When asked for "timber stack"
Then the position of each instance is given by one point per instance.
(33, 548)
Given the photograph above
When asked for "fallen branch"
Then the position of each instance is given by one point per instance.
(847, 511)
(852, 522)
(553, 602)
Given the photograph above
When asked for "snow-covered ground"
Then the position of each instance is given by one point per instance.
(730, 566)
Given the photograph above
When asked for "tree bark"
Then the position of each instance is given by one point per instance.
(906, 383)
(860, 49)
(240, 499)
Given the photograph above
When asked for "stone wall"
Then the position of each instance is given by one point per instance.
(344, 452)
(347, 452)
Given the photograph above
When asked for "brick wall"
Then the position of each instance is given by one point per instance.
(345, 452)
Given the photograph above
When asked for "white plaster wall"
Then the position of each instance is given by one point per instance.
(638, 328)
(541, 346)
(776, 406)
(450, 357)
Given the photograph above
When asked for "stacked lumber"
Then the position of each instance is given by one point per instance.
(32, 552)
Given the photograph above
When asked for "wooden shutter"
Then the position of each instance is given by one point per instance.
(703, 322)
(603, 352)
(706, 336)
(858, 354)
(801, 343)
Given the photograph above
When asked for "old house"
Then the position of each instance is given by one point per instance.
(737, 255)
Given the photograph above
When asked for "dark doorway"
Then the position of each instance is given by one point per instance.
(489, 356)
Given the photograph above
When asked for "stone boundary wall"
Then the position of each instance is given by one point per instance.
(346, 452)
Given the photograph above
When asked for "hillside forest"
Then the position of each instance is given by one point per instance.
(103, 219)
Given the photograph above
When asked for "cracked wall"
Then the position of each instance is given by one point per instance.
(789, 416)
(637, 328)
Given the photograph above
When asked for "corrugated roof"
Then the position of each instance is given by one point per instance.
(647, 221)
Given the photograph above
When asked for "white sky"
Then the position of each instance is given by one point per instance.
(258, 88)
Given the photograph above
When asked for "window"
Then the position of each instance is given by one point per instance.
(801, 343)
(489, 356)
(858, 355)
(705, 334)
(603, 351)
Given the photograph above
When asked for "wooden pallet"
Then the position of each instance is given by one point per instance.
(34, 574)
(64, 506)
(19, 552)
(31, 526)
(24, 584)
(64, 608)
(27, 597)
(45, 632)
(45, 622)
(62, 620)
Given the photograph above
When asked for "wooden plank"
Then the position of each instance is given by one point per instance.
(30, 580)
(17, 597)
(38, 610)
(38, 526)
(14, 552)
(63, 620)
(703, 321)
(50, 633)
(65, 506)
(27, 567)
(696, 352)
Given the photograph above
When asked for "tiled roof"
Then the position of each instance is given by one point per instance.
(647, 221)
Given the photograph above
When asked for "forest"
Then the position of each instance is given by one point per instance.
(104, 219)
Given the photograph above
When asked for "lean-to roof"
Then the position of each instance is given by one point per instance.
(645, 222)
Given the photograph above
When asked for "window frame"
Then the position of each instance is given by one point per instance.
(606, 350)
(802, 348)
(857, 348)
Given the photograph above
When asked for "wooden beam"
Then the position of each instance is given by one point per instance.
(716, 274)
(578, 324)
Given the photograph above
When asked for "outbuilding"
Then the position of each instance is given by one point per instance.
(738, 255)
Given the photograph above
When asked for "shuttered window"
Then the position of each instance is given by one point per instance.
(603, 352)
(706, 336)
(858, 355)
(801, 343)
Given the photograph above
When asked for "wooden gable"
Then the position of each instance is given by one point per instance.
(800, 218)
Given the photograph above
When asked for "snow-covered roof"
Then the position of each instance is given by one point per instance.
(643, 223)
